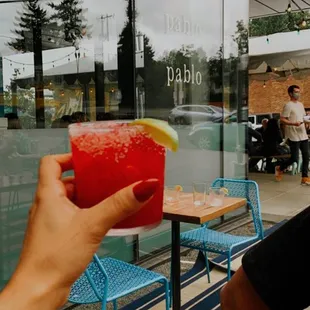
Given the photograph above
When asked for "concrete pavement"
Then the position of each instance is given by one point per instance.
(281, 199)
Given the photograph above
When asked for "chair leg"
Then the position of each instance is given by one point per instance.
(168, 295)
(115, 304)
(228, 266)
(207, 265)
(104, 305)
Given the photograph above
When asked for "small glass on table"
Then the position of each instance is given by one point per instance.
(216, 196)
(172, 194)
(199, 194)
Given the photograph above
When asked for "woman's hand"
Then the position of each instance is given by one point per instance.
(61, 238)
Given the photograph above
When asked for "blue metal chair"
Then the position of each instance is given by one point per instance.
(208, 240)
(105, 280)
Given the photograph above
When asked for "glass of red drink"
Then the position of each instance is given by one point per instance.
(110, 155)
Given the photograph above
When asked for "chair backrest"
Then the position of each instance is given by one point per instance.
(248, 190)
(97, 277)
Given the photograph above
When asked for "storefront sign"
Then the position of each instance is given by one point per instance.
(184, 76)
(180, 24)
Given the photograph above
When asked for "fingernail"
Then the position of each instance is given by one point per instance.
(146, 189)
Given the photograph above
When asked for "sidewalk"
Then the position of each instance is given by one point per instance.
(281, 199)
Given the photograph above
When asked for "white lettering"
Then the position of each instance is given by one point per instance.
(170, 75)
(198, 78)
(179, 75)
(186, 76)
(180, 24)
(193, 74)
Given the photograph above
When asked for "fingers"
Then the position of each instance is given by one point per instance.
(70, 187)
(121, 205)
(52, 167)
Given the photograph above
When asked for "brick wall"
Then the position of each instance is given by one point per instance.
(270, 99)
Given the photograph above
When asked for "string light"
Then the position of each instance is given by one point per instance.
(264, 84)
(289, 8)
(267, 40)
(44, 63)
(304, 23)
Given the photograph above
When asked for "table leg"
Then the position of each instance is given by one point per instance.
(175, 266)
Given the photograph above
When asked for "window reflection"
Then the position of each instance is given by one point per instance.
(103, 60)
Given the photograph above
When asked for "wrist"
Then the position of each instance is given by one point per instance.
(29, 293)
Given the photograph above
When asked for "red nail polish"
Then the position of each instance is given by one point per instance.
(145, 190)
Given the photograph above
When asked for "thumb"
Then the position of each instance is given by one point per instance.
(122, 204)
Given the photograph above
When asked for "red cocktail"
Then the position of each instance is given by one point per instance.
(108, 156)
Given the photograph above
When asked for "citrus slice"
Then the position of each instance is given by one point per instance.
(225, 190)
(178, 188)
(160, 132)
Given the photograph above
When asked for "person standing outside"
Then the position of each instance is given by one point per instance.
(295, 131)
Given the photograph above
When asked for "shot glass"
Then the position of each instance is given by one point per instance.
(216, 197)
(199, 194)
(171, 195)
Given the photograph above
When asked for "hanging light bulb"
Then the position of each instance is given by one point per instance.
(289, 8)
(267, 40)
(303, 23)
(264, 84)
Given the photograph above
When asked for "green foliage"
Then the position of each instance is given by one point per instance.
(30, 23)
(241, 37)
(70, 15)
(278, 23)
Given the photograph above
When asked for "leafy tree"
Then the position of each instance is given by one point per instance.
(126, 64)
(29, 25)
(241, 37)
(72, 21)
(291, 21)
(26, 104)
(29, 39)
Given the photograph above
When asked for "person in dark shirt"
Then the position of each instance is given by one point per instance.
(262, 129)
(253, 150)
(272, 139)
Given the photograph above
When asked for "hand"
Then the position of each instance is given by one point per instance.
(61, 238)
(297, 124)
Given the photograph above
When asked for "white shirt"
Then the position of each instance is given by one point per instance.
(295, 112)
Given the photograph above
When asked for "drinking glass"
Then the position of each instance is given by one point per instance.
(110, 155)
(216, 197)
(172, 195)
(199, 194)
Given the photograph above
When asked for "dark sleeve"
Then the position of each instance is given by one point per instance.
(278, 265)
(280, 139)
(253, 133)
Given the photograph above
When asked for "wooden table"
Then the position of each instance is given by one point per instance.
(185, 211)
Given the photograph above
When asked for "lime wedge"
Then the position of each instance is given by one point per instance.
(178, 188)
(160, 132)
(225, 191)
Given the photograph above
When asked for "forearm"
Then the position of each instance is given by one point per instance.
(285, 121)
(25, 293)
